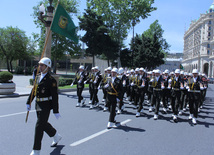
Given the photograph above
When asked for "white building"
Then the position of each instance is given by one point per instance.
(199, 44)
(171, 64)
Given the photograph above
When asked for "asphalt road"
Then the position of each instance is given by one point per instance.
(84, 131)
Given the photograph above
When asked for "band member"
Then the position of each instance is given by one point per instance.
(204, 91)
(79, 80)
(194, 86)
(131, 84)
(166, 91)
(96, 83)
(142, 84)
(158, 85)
(90, 79)
(122, 77)
(114, 90)
(175, 85)
(46, 93)
(108, 74)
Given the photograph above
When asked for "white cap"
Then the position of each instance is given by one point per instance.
(96, 67)
(149, 72)
(92, 68)
(105, 69)
(120, 71)
(128, 72)
(81, 67)
(153, 70)
(195, 71)
(114, 70)
(163, 73)
(182, 72)
(132, 70)
(177, 71)
(185, 73)
(203, 74)
(171, 73)
(137, 70)
(141, 69)
(199, 73)
(46, 61)
(166, 71)
(157, 71)
(109, 68)
(190, 74)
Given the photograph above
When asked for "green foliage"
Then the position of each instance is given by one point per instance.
(126, 58)
(13, 45)
(22, 70)
(5, 77)
(65, 81)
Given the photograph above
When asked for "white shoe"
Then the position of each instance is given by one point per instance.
(35, 152)
(170, 107)
(161, 102)
(135, 107)
(119, 111)
(57, 137)
(130, 103)
(90, 102)
(91, 107)
(199, 110)
(137, 114)
(103, 100)
(78, 104)
(174, 117)
(190, 116)
(155, 117)
(110, 125)
(184, 109)
(127, 99)
(164, 110)
(194, 121)
(180, 112)
(150, 109)
(105, 109)
(83, 101)
(97, 104)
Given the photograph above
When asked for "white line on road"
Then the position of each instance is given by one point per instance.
(16, 114)
(96, 134)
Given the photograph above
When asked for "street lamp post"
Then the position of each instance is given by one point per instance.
(47, 22)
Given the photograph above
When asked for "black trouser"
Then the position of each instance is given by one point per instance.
(95, 98)
(132, 94)
(157, 95)
(194, 100)
(111, 102)
(79, 94)
(166, 96)
(104, 93)
(183, 99)
(175, 101)
(136, 96)
(41, 126)
(91, 92)
(128, 91)
(141, 100)
(121, 101)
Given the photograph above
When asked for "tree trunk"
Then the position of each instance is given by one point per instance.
(54, 67)
(8, 65)
(11, 66)
(93, 60)
(108, 63)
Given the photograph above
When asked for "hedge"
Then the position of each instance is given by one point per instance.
(62, 81)
(6, 77)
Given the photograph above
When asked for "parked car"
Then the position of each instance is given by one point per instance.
(211, 80)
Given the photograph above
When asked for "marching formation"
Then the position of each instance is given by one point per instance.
(176, 91)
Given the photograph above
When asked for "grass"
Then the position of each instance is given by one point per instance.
(69, 87)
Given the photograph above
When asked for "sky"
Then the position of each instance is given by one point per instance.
(174, 16)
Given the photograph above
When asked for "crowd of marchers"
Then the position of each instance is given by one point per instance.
(176, 91)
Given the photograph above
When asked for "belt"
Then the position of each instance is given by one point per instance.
(195, 91)
(43, 99)
(110, 93)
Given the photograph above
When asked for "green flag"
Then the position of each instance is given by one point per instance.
(63, 24)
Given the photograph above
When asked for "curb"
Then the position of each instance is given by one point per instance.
(27, 94)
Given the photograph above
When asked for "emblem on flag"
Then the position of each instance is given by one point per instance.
(63, 21)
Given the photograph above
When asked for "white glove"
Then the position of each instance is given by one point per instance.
(95, 82)
(85, 82)
(57, 115)
(28, 107)
(201, 88)
(79, 81)
(106, 85)
(132, 84)
(169, 87)
(181, 87)
(118, 100)
(98, 88)
(187, 87)
(170, 80)
(162, 87)
(151, 80)
(72, 84)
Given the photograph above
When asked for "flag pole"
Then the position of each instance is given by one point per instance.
(43, 52)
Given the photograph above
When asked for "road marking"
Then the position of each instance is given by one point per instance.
(96, 134)
(16, 114)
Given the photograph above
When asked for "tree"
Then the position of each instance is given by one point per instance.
(60, 44)
(96, 37)
(13, 45)
(126, 58)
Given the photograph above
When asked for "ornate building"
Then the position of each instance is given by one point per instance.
(199, 44)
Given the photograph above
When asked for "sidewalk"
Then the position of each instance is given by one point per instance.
(23, 87)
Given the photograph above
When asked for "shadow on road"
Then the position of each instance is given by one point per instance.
(57, 150)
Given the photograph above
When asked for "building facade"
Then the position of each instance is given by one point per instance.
(198, 50)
